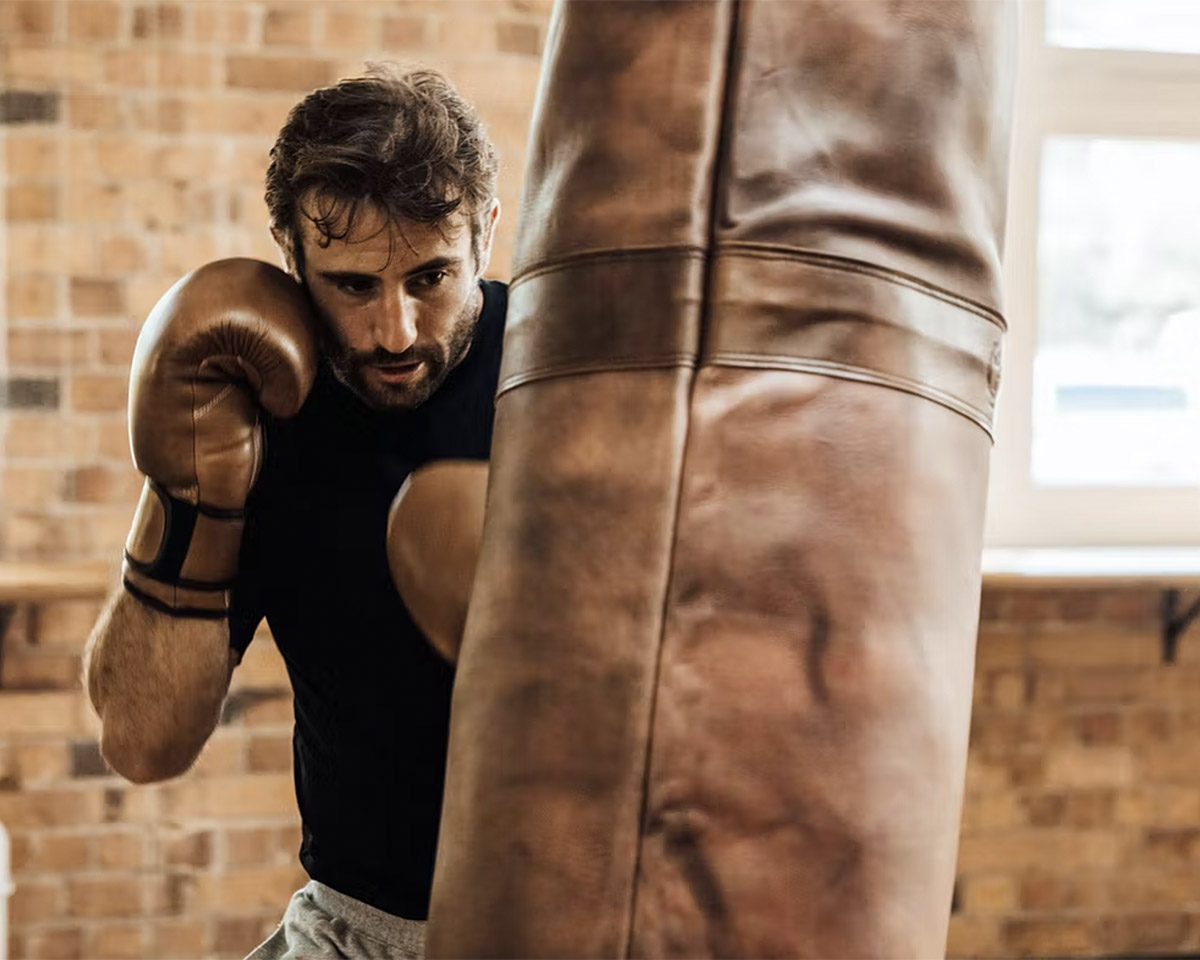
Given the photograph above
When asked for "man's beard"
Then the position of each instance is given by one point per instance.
(439, 359)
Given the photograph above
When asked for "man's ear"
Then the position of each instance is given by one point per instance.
(489, 234)
(289, 254)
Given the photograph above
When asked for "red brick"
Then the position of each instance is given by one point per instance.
(194, 849)
(182, 939)
(252, 846)
(268, 754)
(32, 296)
(159, 21)
(405, 33)
(288, 26)
(118, 941)
(31, 201)
(39, 764)
(515, 36)
(1130, 606)
(50, 808)
(35, 901)
(350, 29)
(120, 850)
(91, 297)
(96, 111)
(1145, 933)
(1051, 936)
(277, 73)
(41, 671)
(31, 18)
(99, 484)
(973, 937)
(224, 755)
(59, 943)
(1089, 766)
(32, 155)
(62, 853)
(93, 19)
(248, 889)
(98, 393)
(237, 936)
(105, 896)
(253, 795)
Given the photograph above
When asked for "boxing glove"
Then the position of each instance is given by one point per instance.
(228, 341)
(434, 528)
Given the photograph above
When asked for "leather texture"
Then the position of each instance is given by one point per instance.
(714, 690)
(227, 341)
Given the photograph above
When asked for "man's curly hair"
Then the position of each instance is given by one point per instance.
(405, 143)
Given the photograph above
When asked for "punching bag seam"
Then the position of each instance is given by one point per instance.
(835, 262)
(724, 139)
(610, 365)
(608, 255)
(842, 371)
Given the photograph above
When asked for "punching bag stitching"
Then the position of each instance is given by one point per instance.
(724, 139)
(671, 252)
(834, 262)
(843, 371)
(609, 365)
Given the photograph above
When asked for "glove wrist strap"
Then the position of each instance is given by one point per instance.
(181, 556)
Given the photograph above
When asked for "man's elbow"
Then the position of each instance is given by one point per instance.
(142, 759)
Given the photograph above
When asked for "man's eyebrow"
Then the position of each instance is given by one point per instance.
(437, 263)
(341, 276)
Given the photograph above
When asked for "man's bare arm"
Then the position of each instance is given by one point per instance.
(434, 532)
(157, 683)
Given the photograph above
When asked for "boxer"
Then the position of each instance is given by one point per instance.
(275, 415)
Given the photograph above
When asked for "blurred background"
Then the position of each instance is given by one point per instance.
(135, 138)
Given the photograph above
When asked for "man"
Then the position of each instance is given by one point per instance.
(276, 421)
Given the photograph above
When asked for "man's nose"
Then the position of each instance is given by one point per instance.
(396, 323)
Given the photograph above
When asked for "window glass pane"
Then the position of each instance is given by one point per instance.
(1163, 26)
(1117, 372)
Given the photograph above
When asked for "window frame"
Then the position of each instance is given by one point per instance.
(1113, 94)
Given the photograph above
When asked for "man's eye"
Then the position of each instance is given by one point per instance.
(356, 288)
(431, 279)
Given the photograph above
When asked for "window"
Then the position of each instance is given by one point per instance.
(1098, 425)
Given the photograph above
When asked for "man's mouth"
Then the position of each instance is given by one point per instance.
(399, 373)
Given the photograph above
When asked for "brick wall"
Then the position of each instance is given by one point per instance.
(135, 143)
(1081, 825)
(198, 867)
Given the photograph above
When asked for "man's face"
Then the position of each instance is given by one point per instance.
(398, 301)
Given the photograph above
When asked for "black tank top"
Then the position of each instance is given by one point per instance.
(372, 700)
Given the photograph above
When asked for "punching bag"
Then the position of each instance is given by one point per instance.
(714, 688)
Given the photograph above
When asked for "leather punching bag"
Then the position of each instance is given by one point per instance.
(714, 690)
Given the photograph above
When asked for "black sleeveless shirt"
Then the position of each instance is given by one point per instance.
(372, 699)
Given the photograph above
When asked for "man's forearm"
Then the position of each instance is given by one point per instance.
(157, 683)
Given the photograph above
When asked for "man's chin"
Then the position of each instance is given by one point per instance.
(378, 394)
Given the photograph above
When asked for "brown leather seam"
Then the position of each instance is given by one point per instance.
(829, 261)
(686, 251)
(609, 364)
(843, 371)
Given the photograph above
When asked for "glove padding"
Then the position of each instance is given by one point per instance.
(228, 340)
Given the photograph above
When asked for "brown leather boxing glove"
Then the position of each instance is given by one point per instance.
(227, 341)
(433, 534)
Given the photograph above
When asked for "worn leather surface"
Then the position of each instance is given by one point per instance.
(227, 341)
(714, 689)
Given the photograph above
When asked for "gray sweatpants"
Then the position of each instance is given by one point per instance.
(320, 922)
